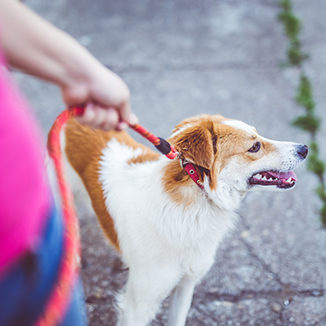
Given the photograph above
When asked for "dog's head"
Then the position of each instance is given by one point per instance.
(231, 156)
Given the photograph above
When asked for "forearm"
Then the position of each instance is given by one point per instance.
(34, 46)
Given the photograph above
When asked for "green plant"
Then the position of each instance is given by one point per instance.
(308, 121)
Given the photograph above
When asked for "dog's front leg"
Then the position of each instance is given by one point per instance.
(145, 290)
(180, 301)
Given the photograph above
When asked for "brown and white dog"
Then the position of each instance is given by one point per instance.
(166, 228)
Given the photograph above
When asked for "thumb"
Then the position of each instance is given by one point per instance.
(126, 115)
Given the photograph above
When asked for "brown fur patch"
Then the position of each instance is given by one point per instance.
(84, 148)
(174, 180)
(196, 143)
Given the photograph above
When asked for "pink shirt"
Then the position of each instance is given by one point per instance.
(24, 195)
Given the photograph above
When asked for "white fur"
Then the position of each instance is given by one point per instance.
(182, 129)
(240, 125)
(169, 247)
(162, 243)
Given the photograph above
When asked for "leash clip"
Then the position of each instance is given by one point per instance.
(183, 161)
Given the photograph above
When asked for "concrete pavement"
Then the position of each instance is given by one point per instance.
(188, 57)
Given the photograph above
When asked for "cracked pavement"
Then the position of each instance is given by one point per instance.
(182, 58)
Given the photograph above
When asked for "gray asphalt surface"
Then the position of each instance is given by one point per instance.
(181, 58)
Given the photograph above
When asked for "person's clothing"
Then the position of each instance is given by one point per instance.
(24, 194)
(26, 289)
(76, 313)
(31, 228)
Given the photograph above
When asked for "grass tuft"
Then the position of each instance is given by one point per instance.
(308, 121)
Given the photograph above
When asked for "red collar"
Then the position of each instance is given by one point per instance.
(191, 171)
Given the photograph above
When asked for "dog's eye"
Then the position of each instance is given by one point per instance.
(255, 148)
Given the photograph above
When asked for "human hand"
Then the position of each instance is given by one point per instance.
(105, 96)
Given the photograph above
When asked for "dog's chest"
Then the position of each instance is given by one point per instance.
(146, 218)
(192, 241)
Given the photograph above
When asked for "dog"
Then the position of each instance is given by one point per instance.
(167, 217)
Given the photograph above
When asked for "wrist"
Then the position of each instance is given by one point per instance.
(77, 65)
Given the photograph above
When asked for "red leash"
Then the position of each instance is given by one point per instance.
(161, 144)
(61, 294)
(68, 273)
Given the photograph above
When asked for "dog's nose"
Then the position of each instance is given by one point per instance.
(302, 151)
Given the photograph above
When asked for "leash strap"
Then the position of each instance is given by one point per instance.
(60, 297)
(161, 144)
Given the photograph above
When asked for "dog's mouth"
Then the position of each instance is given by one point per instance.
(282, 180)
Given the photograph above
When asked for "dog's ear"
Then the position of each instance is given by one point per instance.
(197, 144)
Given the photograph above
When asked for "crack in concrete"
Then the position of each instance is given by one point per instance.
(191, 67)
(267, 268)
(264, 265)
(197, 67)
(285, 297)
(287, 288)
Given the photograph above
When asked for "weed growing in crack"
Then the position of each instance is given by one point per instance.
(308, 121)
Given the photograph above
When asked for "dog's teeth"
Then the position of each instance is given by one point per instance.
(258, 176)
(289, 180)
(264, 178)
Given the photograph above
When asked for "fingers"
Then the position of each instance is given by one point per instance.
(126, 116)
(100, 118)
(110, 119)
(107, 118)
(125, 111)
